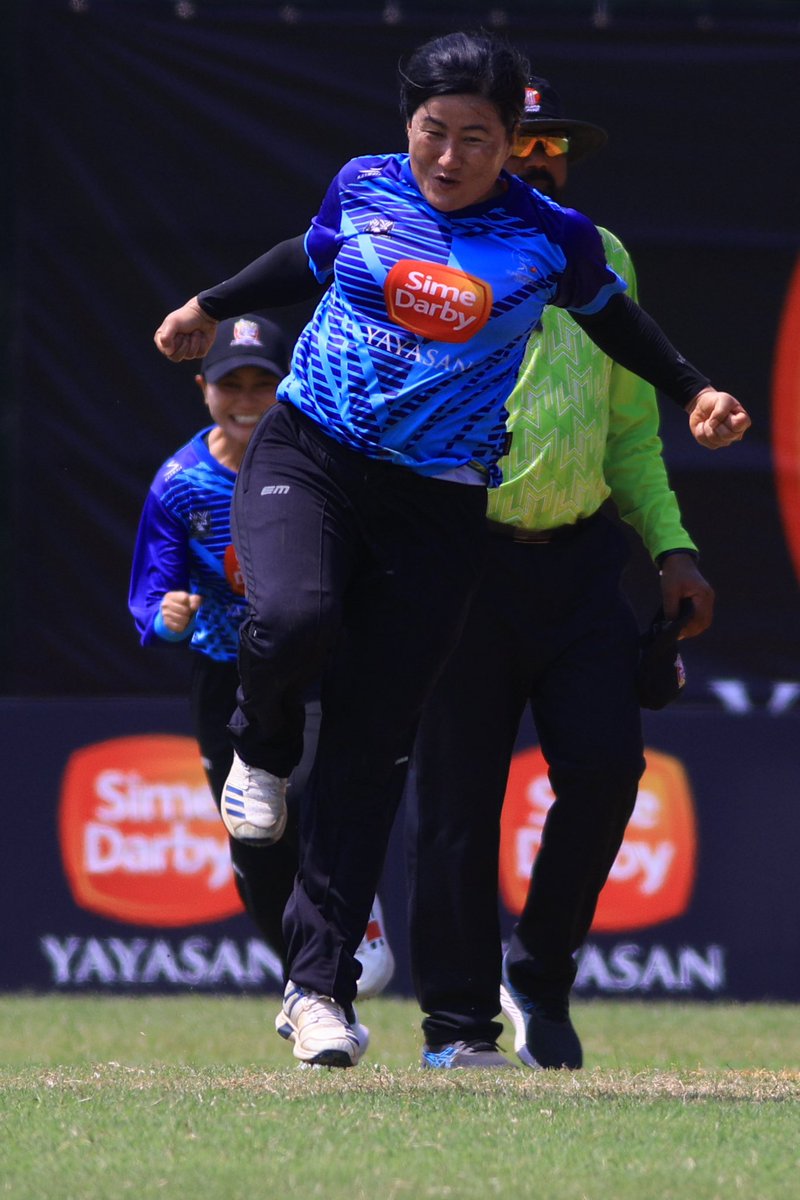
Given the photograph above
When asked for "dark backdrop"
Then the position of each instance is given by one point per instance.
(160, 146)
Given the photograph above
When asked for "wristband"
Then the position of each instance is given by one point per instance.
(678, 550)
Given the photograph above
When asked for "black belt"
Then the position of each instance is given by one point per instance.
(516, 533)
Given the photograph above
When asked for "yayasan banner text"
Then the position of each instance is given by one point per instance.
(119, 876)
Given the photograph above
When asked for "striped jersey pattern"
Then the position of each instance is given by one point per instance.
(414, 348)
(183, 539)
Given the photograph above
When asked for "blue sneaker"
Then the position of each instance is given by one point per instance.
(475, 1053)
(544, 1036)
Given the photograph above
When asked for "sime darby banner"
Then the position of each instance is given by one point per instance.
(651, 883)
(120, 880)
(140, 837)
(653, 875)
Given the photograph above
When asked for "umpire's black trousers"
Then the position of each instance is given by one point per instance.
(548, 627)
(359, 572)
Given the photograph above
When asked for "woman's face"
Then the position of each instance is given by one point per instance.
(238, 401)
(458, 145)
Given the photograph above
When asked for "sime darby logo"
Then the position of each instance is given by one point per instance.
(141, 839)
(653, 874)
(440, 303)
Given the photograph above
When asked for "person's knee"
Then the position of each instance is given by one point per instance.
(290, 633)
(610, 778)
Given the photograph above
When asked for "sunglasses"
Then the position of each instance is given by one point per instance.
(524, 144)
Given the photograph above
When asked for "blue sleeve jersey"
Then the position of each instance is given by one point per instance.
(414, 348)
(184, 544)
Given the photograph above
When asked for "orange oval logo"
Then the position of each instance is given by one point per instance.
(141, 838)
(786, 417)
(440, 303)
(653, 874)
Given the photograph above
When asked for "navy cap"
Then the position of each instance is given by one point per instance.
(544, 113)
(247, 341)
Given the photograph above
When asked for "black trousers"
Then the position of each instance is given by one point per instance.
(264, 876)
(548, 627)
(358, 572)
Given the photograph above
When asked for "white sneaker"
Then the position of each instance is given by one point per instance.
(318, 1028)
(361, 1031)
(375, 956)
(253, 804)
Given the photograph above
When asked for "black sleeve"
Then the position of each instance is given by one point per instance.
(627, 334)
(281, 276)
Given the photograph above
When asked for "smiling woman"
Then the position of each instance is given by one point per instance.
(359, 511)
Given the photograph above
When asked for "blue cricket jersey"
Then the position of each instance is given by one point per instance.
(413, 350)
(184, 544)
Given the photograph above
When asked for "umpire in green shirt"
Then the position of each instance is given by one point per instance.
(549, 627)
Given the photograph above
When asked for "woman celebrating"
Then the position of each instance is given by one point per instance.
(359, 507)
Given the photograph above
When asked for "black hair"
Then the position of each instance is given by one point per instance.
(472, 64)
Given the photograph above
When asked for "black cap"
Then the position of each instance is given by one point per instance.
(247, 341)
(660, 674)
(544, 112)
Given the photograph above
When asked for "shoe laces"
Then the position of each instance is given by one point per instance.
(327, 1003)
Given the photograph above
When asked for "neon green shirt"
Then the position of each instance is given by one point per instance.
(585, 429)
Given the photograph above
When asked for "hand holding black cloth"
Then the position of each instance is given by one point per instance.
(660, 674)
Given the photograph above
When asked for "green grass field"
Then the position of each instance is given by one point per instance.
(193, 1097)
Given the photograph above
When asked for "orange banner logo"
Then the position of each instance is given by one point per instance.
(141, 838)
(653, 874)
(440, 303)
(786, 417)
